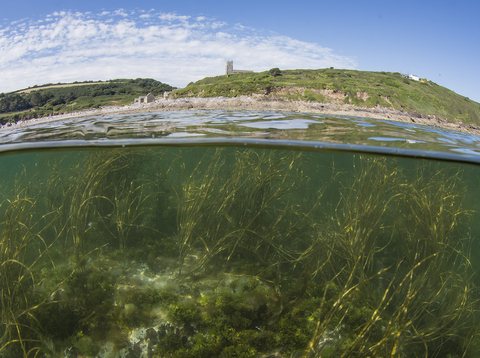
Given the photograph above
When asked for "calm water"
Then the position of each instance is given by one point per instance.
(239, 234)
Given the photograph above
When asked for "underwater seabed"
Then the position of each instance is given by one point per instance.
(237, 252)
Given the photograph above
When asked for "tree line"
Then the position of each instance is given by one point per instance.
(51, 97)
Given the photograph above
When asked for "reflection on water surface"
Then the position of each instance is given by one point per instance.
(255, 125)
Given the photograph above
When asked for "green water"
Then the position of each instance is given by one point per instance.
(237, 252)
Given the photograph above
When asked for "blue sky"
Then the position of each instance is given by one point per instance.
(176, 42)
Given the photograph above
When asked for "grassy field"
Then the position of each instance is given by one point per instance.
(59, 85)
(358, 88)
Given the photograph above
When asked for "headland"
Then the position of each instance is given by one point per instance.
(250, 103)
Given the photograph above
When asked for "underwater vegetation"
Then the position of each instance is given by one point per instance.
(237, 252)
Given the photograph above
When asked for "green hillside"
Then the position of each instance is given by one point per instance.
(50, 99)
(358, 88)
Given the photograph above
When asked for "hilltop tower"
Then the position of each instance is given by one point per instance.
(229, 67)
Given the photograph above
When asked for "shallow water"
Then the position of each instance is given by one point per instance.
(216, 125)
(252, 244)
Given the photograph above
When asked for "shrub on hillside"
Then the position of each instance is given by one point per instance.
(274, 72)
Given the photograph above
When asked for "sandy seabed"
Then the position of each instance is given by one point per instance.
(254, 104)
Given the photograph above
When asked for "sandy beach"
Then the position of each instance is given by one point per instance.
(253, 104)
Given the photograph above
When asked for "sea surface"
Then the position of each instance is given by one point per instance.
(239, 234)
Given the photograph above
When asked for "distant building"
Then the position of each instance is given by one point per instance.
(414, 77)
(145, 99)
(229, 69)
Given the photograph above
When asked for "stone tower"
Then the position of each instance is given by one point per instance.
(229, 67)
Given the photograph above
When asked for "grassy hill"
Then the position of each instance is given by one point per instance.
(48, 99)
(357, 88)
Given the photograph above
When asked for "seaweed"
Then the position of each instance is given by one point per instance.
(228, 252)
(23, 251)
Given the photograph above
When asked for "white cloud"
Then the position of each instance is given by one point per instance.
(120, 12)
(172, 48)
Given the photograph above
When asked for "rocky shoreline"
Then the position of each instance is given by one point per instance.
(255, 104)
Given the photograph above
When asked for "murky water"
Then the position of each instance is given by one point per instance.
(242, 247)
